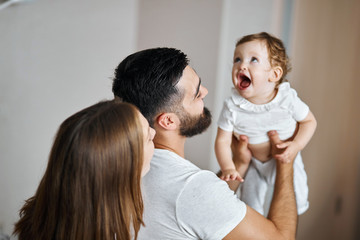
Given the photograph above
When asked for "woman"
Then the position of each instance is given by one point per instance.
(91, 187)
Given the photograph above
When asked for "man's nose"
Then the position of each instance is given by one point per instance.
(204, 91)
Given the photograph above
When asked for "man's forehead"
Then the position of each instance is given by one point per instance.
(189, 80)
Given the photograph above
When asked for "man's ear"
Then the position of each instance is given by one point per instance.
(168, 121)
(276, 74)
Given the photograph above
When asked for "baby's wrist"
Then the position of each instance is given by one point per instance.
(241, 165)
(228, 169)
(298, 146)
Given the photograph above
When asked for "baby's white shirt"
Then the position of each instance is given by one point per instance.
(242, 117)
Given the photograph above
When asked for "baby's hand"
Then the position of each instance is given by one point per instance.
(291, 149)
(231, 174)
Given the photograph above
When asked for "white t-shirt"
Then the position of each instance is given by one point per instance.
(255, 121)
(182, 201)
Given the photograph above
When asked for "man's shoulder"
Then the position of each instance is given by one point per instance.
(168, 170)
(182, 195)
(167, 159)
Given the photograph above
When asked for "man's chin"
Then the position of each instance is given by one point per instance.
(193, 126)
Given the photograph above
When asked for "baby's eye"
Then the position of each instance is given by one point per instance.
(237, 60)
(254, 59)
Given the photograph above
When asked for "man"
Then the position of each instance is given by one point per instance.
(180, 200)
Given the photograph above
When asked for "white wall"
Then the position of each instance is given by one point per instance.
(56, 57)
(326, 69)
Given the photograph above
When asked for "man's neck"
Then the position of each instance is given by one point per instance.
(174, 143)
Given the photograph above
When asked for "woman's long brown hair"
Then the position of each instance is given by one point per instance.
(91, 187)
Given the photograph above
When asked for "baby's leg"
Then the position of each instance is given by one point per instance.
(300, 185)
(255, 190)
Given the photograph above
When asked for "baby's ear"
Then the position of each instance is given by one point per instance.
(276, 74)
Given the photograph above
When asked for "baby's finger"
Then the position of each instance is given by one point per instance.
(283, 145)
(235, 177)
(239, 178)
(227, 178)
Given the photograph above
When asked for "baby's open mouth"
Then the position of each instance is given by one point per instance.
(244, 81)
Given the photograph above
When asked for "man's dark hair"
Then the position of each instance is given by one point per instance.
(148, 80)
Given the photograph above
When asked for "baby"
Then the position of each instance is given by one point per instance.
(262, 100)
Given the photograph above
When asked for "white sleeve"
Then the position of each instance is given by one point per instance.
(226, 121)
(299, 109)
(207, 208)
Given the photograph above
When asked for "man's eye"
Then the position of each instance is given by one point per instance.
(254, 59)
(237, 60)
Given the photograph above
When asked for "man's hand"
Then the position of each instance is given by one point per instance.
(279, 148)
(290, 148)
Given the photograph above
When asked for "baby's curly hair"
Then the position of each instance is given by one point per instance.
(276, 51)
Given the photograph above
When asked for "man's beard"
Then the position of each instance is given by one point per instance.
(193, 125)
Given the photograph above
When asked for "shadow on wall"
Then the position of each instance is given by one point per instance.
(4, 237)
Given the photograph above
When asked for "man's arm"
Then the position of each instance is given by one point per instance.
(282, 218)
